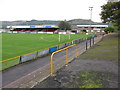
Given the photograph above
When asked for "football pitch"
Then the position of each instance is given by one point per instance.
(17, 44)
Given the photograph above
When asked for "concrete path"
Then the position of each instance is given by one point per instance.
(69, 77)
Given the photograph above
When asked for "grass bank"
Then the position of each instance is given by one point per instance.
(107, 49)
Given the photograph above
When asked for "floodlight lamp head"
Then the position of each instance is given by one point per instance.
(90, 7)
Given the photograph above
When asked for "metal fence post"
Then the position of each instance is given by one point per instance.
(51, 57)
(66, 56)
(93, 40)
(86, 43)
(90, 41)
(51, 65)
(76, 50)
(20, 61)
(36, 55)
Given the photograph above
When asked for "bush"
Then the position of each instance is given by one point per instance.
(84, 31)
(109, 29)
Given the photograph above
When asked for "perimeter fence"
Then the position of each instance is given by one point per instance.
(70, 53)
(40, 53)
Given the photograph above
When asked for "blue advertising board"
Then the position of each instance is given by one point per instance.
(32, 26)
(53, 49)
(47, 26)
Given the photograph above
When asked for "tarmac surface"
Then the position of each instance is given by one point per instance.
(68, 77)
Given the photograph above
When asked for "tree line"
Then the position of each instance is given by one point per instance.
(64, 25)
(111, 13)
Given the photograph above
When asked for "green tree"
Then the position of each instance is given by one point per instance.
(111, 13)
(84, 31)
(63, 25)
(109, 29)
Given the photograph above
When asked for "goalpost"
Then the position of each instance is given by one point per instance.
(59, 38)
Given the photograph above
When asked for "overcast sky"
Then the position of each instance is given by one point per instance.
(49, 9)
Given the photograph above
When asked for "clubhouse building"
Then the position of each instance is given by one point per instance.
(92, 28)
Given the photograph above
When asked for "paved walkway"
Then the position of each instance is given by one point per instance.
(67, 77)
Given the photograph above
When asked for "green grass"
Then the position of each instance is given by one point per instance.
(0, 46)
(107, 49)
(18, 44)
(10, 63)
(88, 80)
(0, 50)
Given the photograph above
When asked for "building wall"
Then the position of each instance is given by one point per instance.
(97, 29)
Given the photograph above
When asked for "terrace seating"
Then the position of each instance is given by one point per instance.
(48, 30)
(30, 30)
(16, 30)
